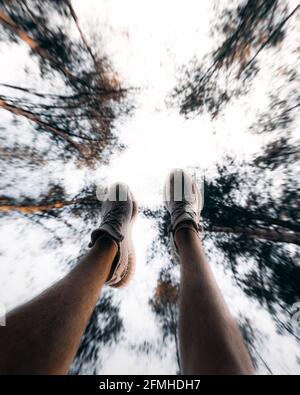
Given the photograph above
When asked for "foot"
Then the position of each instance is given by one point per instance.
(119, 211)
(184, 202)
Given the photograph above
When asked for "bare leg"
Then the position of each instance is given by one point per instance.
(42, 336)
(210, 340)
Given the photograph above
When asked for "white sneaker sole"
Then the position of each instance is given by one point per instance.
(130, 270)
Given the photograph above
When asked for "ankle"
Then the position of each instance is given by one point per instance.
(190, 253)
(104, 241)
(184, 235)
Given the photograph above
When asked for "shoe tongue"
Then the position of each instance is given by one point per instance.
(184, 217)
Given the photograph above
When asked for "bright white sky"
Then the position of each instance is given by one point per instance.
(147, 41)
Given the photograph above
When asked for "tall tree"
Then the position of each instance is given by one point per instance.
(164, 304)
(104, 329)
(80, 119)
(228, 70)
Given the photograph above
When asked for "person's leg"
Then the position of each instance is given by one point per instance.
(42, 336)
(210, 341)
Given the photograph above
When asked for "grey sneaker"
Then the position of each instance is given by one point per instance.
(184, 202)
(119, 210)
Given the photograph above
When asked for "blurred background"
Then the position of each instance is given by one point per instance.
(97, 91)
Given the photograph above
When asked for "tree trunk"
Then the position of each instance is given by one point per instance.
(238, 212)
(279, 235)
(287, 225)
(32, 208)
(7, 205)
(74, 16)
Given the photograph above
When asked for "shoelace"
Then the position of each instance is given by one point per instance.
(115, 216)
(185, 206)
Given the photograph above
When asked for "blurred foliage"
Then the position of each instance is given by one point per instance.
(104, 329)
(164, 304)
(79, 121)
(227, 72)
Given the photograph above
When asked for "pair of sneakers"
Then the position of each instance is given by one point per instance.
(119, 211)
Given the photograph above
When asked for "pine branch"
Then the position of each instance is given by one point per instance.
(75, 18)
(29, 208)
(34, 118)
(269, 39)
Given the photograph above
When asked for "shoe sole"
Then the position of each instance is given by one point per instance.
(130, 270)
